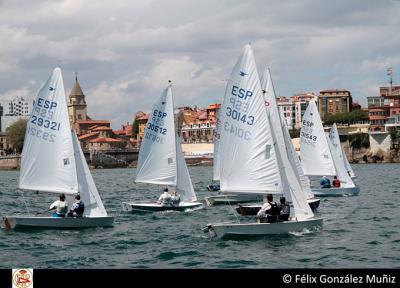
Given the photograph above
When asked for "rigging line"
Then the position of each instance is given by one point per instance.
(229, 202)
(24, 200)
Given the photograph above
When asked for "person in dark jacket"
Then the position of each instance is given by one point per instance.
(284, 210)
(269, 212)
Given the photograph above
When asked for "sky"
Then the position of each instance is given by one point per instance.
(125, 51)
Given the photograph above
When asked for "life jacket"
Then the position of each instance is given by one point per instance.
(81, 208)
(336, 183)
(285, 209)
(274, 210)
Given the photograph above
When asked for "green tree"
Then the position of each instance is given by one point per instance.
(16, 134)
(135, 128)
(359, 140)
(346, 117)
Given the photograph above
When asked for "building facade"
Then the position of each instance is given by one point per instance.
(334, 101)
(300, 102)
(384, 107)
(287, 110)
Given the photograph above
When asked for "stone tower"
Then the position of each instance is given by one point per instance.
(76, 103)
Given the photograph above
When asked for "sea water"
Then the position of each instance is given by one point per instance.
(358, 232)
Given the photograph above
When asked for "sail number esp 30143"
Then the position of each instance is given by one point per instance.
(237, 110)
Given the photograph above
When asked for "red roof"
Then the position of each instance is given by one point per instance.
(214, 106)
(333, 90)
(102, 128)
(93, 121)
(105, 140)
(85, 136)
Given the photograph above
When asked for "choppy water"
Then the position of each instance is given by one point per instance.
(358, 232)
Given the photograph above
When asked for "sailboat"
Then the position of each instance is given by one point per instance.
(161, 159)
(52, 161)
(253, 164)
(319, 157)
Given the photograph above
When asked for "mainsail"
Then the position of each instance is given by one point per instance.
(48, 162)
(157, 155)
(337, 153)
(316, 157)
(246, 146)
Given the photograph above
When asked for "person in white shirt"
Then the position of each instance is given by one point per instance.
(60, 207)
(269, 211)
(165, 198)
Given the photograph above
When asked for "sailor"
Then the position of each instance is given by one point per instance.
(165, 198)
(175, 198)
(60, 207)
(336, 182)
(284, 210)
(269, 212)
(77, 208)
(325, 182)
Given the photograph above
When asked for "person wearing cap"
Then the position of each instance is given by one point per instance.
(60, 207)
(165, 198)
(325, 182)
(284, 210)
(77, 208)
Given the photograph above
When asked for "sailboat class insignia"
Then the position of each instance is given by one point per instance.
(22, 278)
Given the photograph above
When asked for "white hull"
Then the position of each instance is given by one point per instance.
(16, 222)
(341, 191)
(154, 207)
(232, 199)
(259, 229)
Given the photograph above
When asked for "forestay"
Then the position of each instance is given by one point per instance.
(316, 158)
(246, 145)
(157, 155)
(48, 162)
(87, 188)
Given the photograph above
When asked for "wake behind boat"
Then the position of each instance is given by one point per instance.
(53, 161)
(161, 160)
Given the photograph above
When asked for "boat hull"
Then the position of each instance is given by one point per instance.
(154, 207)
(341, 191)
(20, 222)
(249, 210)
(232, 199)
(223, 230)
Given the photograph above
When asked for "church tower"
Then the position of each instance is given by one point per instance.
(76, 104)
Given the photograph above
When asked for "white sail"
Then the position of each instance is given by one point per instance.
(157, 155)
(216, 160)
(184, 184)
(86, 186)
(48, 162)
(281, 131)
(246, 145)
(336, 150)
(292, 188)
(316, 158)
(347, 164)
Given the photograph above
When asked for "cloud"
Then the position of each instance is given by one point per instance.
(126, 51)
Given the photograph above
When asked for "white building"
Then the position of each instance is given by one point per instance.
(17, 107)
(287, 110)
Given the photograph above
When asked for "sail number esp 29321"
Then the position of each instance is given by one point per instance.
(42, 118)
